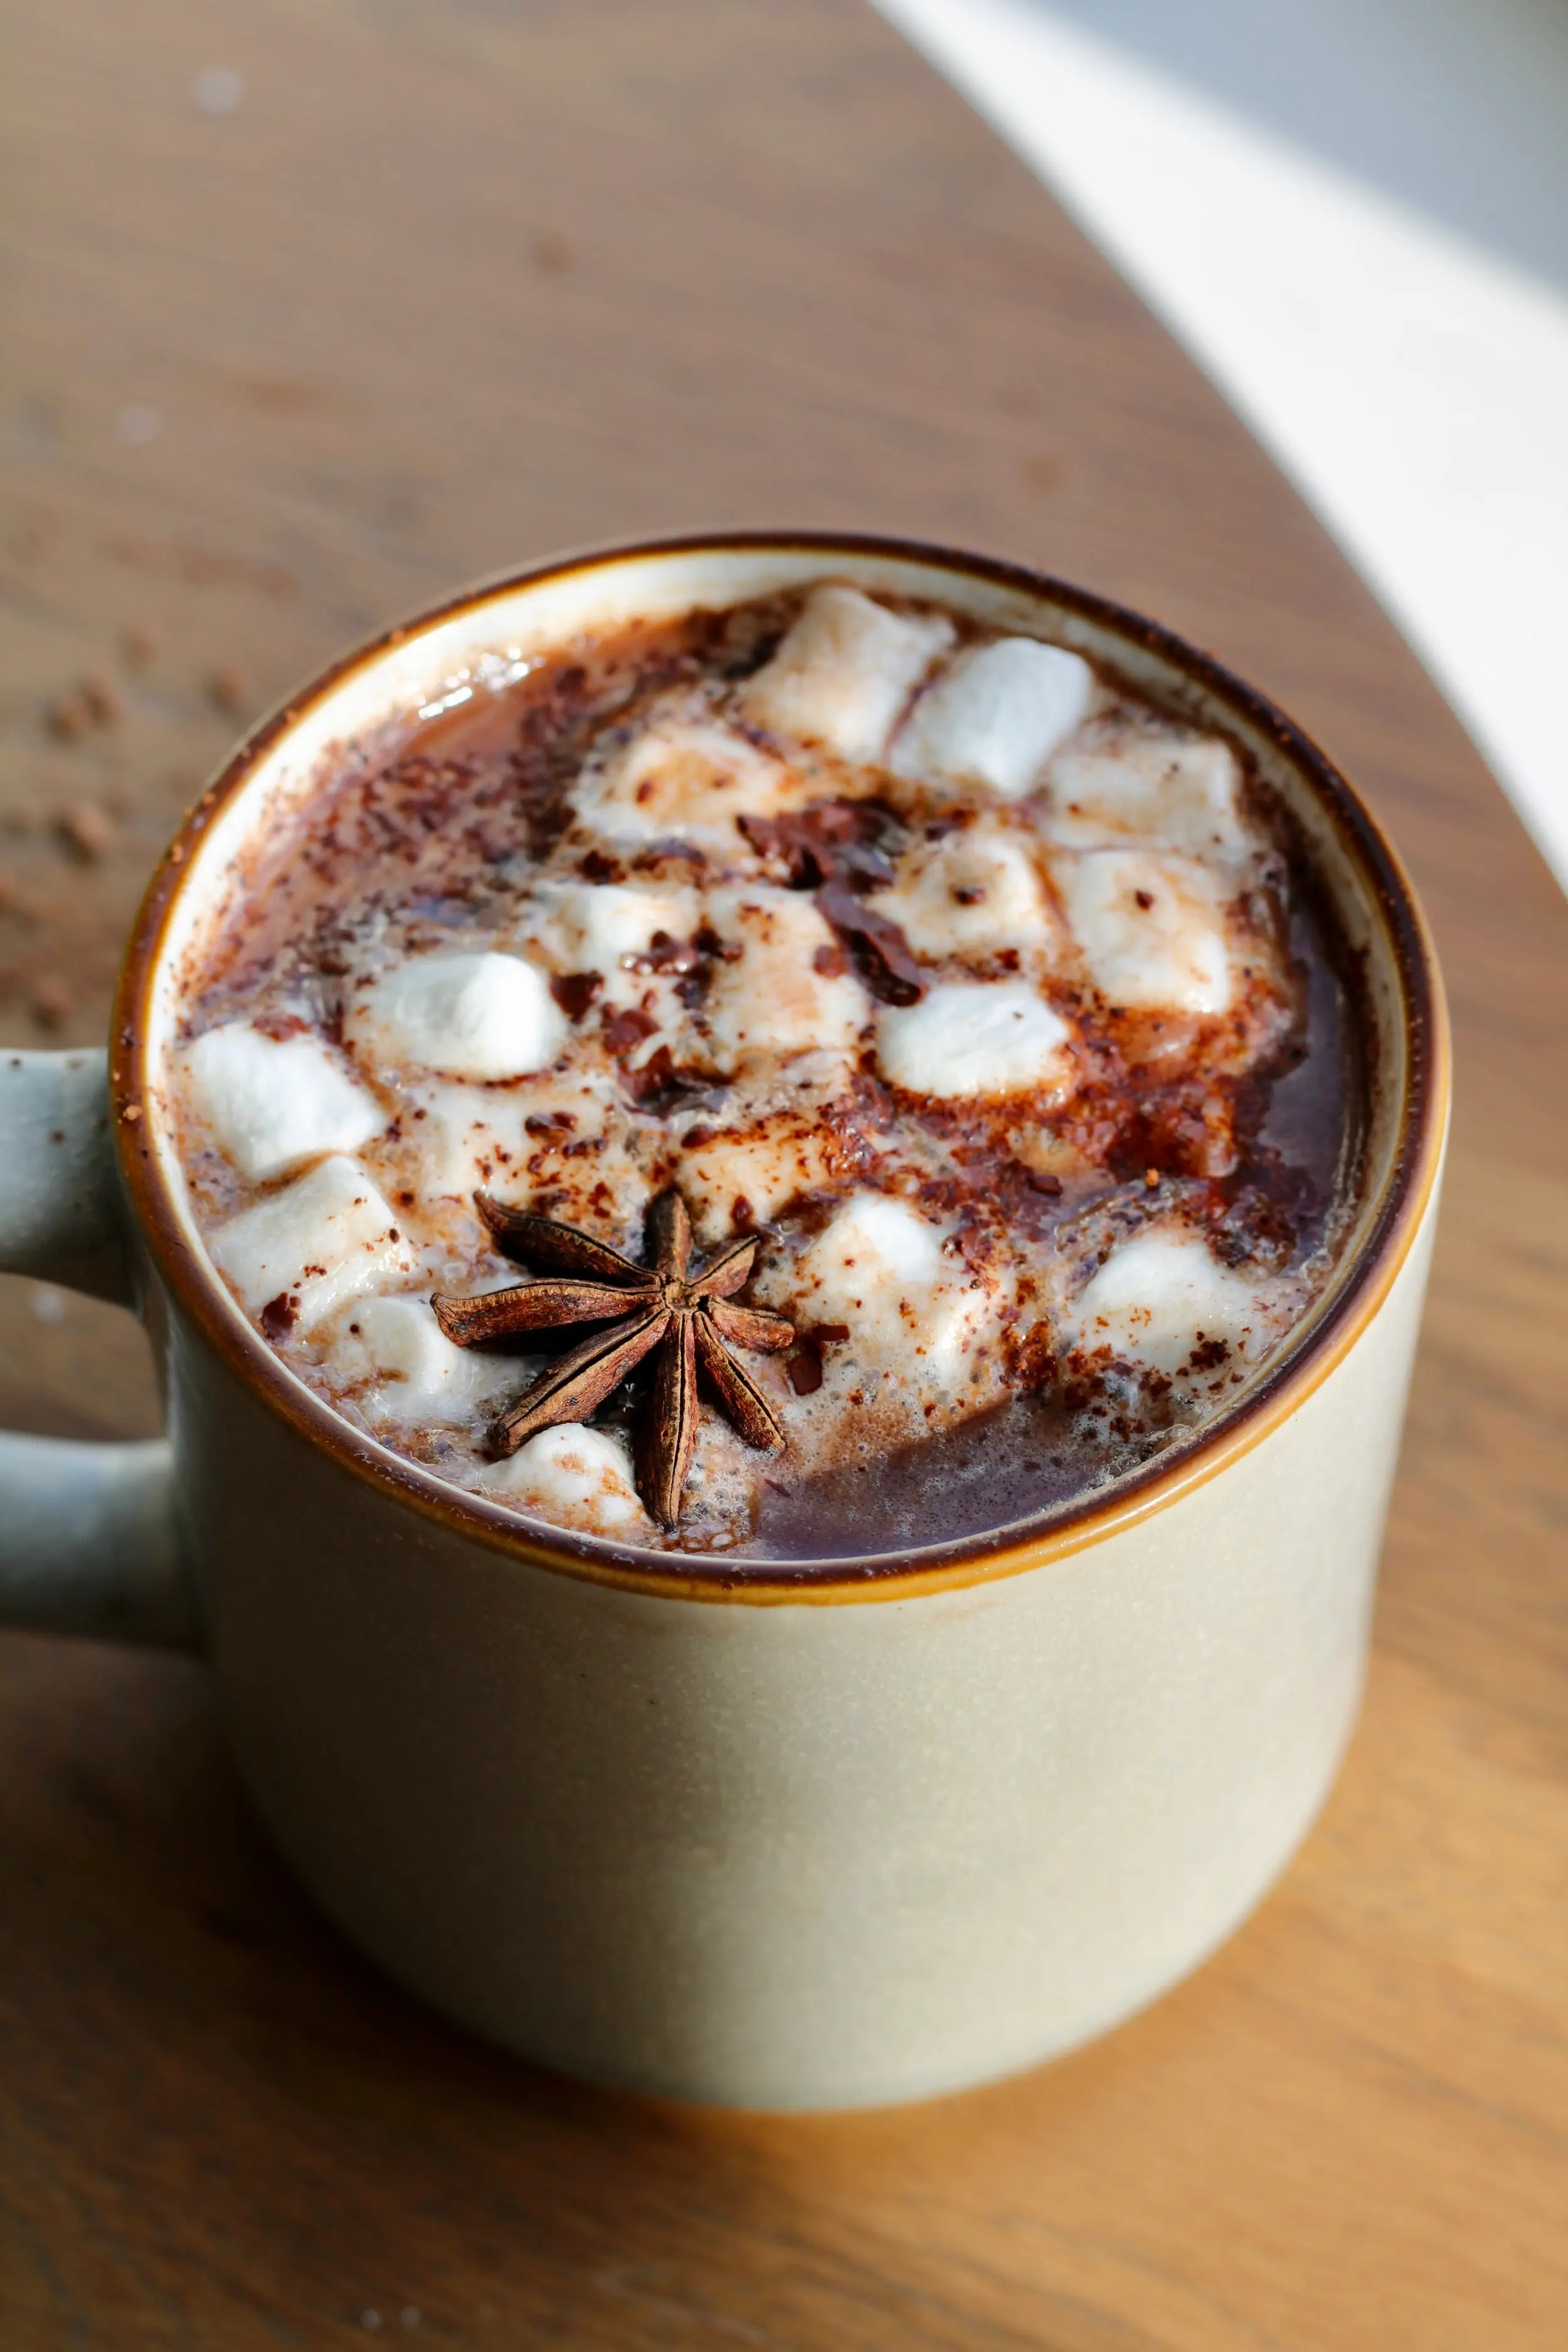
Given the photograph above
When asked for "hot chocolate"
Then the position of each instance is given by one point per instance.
(807, 1080)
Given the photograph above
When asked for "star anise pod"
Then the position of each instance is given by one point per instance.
(690, 1317)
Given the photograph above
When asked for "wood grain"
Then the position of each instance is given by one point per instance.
(453, 287)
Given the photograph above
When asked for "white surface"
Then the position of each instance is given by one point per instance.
(1455, 106)
(1414, 388)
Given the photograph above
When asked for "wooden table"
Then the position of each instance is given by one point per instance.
(449, 288)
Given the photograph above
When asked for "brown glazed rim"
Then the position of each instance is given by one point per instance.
(975, 1559)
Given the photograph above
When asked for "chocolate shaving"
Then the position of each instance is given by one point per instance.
(574, 991)
(875, 946)
(657, 1088)
(726, 951)
(854, 842)
(626, 1030)
(280, 1314)
(664, 953)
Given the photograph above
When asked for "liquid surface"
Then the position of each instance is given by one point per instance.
(988, 998)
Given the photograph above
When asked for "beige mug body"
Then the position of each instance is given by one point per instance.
(746, 1836)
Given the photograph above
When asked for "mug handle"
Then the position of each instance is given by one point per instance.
(86, 1532)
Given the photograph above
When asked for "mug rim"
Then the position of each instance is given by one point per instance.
(1375, 1262)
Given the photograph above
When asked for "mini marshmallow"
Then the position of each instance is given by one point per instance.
(843, 672)
(973, 892)
(973, 1038)
(1149, 928)
(878, 1237)
(767, 1168)
(996, 716)
(882, 1268)
(468, 1015)
(685, 774)
(1157, 1296)
(418, 1374)
(602, 925)
(274, 1103)
(787, 991)
(1159, 789)
(576, 1476)
(323, 1239)
(457, 1137)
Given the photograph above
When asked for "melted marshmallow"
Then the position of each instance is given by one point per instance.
(972, 892)
(577, 1477)
(966, 1038)
(843, 674)
(326, 1237)
(412, 1370)
(1159, 1297)
(457, 1138)
(272, 1104)
(909, 1302)
(686, 774)
(787, 991)
(1159, 787)
(994, 718)
(765, 1169)
(468, 1015)
(1150, 927)
(610, 928)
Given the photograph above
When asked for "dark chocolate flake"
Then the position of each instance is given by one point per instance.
(574, 991)
(853, 842)
(280, 1316)
(626, 1030)
(875, 946)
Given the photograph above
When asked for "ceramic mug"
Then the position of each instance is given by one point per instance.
(761, 1838)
